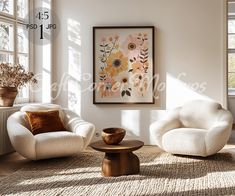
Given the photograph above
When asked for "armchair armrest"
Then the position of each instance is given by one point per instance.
(21, 138)
(159, 128)
(77, 125)
(217, 136)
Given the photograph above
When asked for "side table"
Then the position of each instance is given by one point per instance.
(119, 159)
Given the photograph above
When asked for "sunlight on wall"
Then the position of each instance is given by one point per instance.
(46, 3)
(179, 92)
(130, 120)
(74, 32)
(46, 73)
(42, 64)
(46, 69)
(74, 66)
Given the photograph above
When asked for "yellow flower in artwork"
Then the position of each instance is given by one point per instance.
(117, 63)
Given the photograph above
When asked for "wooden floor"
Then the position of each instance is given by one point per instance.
(12, 162)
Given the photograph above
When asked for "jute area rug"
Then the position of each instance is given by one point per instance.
(161, 174)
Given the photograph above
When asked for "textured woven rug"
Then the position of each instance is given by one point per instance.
(161, 174)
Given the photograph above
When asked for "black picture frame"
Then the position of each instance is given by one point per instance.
(119, 29)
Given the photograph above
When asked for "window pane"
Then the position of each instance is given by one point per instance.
(231, 41)
(6, 58)
(231, 26)
(23, 93)
(231, 8)
(231, 62)
(23, 43)
(231, 80)
(24, 60)
(6, 6)
(6, 36)
(22, 8)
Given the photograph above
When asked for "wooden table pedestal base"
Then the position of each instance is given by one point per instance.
(117, 164)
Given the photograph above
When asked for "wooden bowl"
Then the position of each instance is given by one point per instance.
(113, 136)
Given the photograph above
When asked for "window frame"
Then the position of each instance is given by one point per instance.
(18, 21)
(230, 16)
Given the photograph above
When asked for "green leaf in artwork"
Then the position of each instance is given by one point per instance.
(101, 50)
(130, 70)
(131, 60)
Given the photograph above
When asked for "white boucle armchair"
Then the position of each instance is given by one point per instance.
(52, 144)
(199, 128)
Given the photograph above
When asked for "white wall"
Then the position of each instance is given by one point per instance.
(42, 61)
(189, 39)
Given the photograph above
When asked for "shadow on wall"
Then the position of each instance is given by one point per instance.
(68, 86)
(74, 66)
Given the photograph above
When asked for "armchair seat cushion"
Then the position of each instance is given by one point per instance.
(56, 144)
(188, 141)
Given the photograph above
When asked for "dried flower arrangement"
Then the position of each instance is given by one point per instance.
(15, 76)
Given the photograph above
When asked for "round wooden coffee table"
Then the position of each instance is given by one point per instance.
(119, 159)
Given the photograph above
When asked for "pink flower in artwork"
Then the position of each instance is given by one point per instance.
(140, 82)
(108, 88)
(131, 46)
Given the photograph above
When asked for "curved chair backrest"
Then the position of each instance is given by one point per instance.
(202, 114)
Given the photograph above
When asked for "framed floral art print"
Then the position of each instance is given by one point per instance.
(123, 65)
